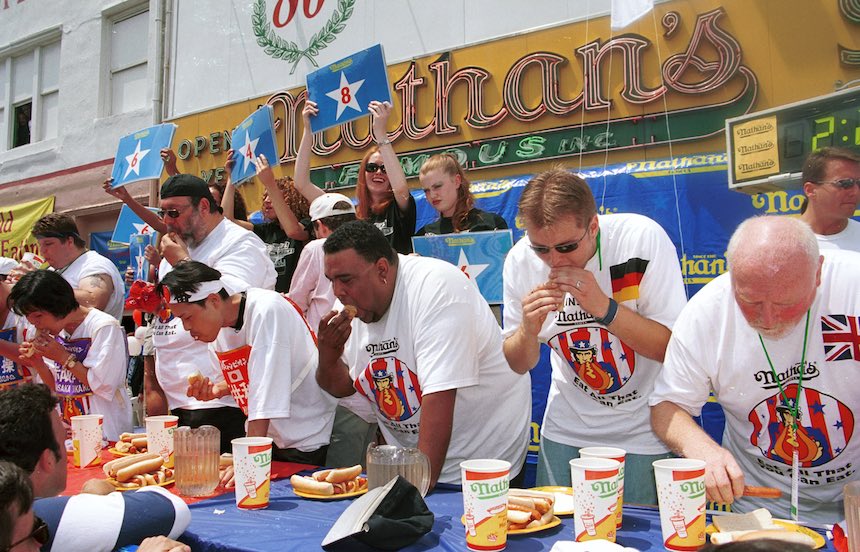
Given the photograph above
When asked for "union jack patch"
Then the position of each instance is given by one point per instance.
(841, 336)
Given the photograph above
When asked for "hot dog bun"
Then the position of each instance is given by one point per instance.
(128, 437)
(139, 468)
(225, 460)
(342, 475)
(350, 311)
(195, 377)
(311, 486)
(113, 466)
(519, 517)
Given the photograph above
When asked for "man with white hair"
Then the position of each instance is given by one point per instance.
(776, 339)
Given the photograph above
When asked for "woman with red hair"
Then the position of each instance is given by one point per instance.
(382, 193)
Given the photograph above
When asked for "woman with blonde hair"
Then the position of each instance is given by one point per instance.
(447, 190)
(382, 192)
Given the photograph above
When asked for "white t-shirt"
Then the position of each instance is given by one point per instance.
(713, 347)
(241, 258)
(848, 239)
(14, 330)
(439, 334)
(260, 361)
(603, 401)
(91, 263)
(100, 344)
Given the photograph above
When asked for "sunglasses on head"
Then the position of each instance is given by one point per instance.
(843, 183)
(40, 534)
(561, 248)
(373, 167)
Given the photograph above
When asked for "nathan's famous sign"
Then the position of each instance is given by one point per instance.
(426, 92)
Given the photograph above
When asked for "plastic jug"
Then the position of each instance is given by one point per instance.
(196, 455)
(385, 462)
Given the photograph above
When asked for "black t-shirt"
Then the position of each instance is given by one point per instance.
(398, 227)
(477, 221)
(283, 250)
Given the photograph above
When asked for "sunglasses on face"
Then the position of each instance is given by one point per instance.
(373, 167)
(568, 247)
(844, 183)
(40, 534)
(172, 213)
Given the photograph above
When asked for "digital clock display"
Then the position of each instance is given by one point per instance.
(767, 149)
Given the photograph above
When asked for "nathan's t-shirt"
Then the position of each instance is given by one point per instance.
(477, 221)
(600, 386)
(100, 344)
(262, 360)
(438, 335)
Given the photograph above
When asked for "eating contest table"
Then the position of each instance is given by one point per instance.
(292, 523)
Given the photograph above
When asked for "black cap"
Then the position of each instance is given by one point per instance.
(186, 185)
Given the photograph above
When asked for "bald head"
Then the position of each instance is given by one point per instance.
(775, 270)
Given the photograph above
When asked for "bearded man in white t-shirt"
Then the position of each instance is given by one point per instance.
(425, 348)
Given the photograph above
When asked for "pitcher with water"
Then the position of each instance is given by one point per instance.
(385, 462)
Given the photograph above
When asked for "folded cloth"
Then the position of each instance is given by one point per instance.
(388, 517)
(599, 545)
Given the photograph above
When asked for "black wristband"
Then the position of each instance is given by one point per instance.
(610, 313)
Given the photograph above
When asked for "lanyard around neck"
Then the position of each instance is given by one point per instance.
(799, 380)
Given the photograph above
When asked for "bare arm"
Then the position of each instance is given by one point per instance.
(724, 480)
(169, 159)
(94, 291)
(145, 214)
(332, 372)
(286, 217)
(396, 176)
(522, 348)
(302, 174)
(153, 395)
(434, 435)
(258, 428)
(228, 205)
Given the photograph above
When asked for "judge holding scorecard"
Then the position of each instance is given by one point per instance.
(268, 357)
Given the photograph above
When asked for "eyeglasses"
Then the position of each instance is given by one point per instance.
(40, 534)
(563, 248)
(373, 167)
(843, 183)
(172, 213)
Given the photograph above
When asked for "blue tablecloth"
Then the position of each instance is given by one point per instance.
(291, 523)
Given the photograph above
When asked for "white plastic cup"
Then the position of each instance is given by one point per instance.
(252, 465)
(159, 436)
(32, 259)
(595, 498)
(87, 440)
(681, 495)
(485, 503)
(613, 453)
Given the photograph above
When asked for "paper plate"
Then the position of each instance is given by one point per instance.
(115, 483)
(791, 526)
(554, 522)
(330, 497)
(563, 499)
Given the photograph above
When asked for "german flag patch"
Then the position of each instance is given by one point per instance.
(626, 278)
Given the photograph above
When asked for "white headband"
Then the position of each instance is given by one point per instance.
(204, 291)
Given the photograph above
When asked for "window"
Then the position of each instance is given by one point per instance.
(129, 87)
(29, 95)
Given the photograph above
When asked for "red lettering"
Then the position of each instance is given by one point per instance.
(294, 4)
(308, 13)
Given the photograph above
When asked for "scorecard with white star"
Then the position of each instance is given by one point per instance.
(129, 223)
(254, 136)
(138, 156)
(343, 90)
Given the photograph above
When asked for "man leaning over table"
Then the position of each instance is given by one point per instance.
(425, 348)
(32, 437)
(603, 292)
(776, 340)
(267, 354)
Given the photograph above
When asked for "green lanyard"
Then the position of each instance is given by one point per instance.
(795, 463)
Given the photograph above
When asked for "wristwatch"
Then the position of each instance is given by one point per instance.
(71, 361)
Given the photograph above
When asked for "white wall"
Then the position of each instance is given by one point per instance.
(215, 58)
(86, 135)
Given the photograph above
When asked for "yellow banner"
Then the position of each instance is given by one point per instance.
(16, 222)
(755, 153)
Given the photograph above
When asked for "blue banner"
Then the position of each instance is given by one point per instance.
(480, 255)
(101, 243)
(138, 156)
(344, 89)
(254, 136)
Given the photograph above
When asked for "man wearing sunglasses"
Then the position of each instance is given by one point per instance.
(831, 184)
(608, 285)
(32, 437)
(95, 279)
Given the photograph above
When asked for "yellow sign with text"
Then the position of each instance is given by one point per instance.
(16, 222)
(755, 153)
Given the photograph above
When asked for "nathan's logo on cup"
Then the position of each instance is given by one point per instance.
(261, 455)
(595, 497)
(252, 464)
(604, 489)
(693, 489)
(484, 491)
(681, 493)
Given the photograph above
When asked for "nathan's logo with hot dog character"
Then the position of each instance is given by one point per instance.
(824, 427)
(598, 358)
(234, 366)
(392, 386)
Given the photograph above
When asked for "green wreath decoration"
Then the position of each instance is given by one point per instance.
(288, 50)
